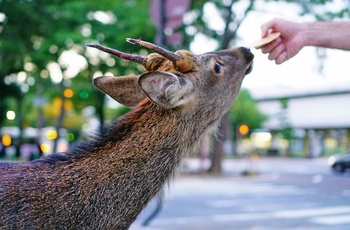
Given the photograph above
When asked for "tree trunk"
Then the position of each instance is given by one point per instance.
(100, 109)
(59, 120)
(19, 141)
(217, 152)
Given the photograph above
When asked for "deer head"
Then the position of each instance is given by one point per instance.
(180, 80)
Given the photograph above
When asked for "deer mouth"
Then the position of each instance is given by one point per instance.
(249, 69)
(248, 56)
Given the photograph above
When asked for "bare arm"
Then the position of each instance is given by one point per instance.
(328, 34)
(295, 36)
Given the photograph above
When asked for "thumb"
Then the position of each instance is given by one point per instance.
(267, 27)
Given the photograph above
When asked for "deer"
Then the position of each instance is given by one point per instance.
(106, 181)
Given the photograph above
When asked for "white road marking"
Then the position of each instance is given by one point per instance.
(242, 217)
(313, 212)
(317, 179)
(328, 216)
(332, 220)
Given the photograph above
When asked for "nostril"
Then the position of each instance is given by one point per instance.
(249, 56)
(246, 49)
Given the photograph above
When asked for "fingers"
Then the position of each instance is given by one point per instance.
(281, 58)
(276, 50)
(270, 46)
(278, 54)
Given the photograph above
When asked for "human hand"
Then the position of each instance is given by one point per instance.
(288, 44)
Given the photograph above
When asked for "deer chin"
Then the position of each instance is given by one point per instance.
(213, 127)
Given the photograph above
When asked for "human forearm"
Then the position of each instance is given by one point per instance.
(327, 34)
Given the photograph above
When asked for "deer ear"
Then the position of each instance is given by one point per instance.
(124, 90)
(165, 89)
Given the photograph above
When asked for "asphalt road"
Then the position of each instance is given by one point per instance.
(288, 194)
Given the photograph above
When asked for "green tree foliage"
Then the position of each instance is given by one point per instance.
(224, 32)
(245, 111)
(6, 92)
(36, 33)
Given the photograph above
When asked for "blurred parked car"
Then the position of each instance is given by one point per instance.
(339, 163)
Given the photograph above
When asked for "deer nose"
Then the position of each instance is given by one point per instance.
(249, 56)
(245, 49)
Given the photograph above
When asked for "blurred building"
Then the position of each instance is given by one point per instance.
(307, 122)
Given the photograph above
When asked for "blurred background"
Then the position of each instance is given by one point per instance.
(288, 113)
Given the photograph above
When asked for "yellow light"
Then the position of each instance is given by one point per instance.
(68, 93)
(6, 140)
(243, 129)
(51, 134)
(68, 105)
(56, 106)
(45, 148)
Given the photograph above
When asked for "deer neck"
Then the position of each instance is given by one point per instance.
(150, 128)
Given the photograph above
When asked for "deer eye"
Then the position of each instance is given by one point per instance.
(217, 68)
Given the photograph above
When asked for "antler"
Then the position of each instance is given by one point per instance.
(182, 60)
(131, 57)
(173, 57)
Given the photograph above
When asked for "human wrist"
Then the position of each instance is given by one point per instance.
(316, 34)
(308, 34)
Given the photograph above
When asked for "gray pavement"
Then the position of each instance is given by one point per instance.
(293, 194)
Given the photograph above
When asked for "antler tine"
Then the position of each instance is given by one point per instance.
(131, 57)
(165, 53)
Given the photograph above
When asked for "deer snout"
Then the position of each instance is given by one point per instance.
(248, 55)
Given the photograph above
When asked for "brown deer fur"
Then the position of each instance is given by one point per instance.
(105, 182)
